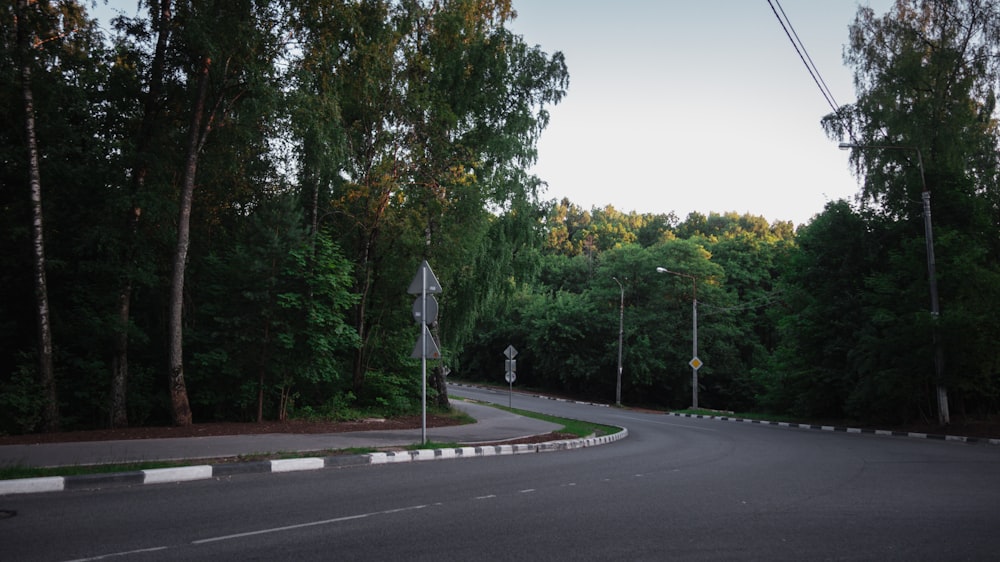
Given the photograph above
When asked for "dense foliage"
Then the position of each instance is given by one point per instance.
(236, 196)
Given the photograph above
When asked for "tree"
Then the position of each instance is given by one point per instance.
(926, 74)
(25, 20)
(161, 22)
(196, 139)
(824, 287)
(225, 70)
(441, 107)
(270, 332)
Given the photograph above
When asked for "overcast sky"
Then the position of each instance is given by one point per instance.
(699, 105)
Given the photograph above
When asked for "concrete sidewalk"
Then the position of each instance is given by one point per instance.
(492, 425)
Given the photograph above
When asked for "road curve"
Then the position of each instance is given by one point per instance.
(676, 488)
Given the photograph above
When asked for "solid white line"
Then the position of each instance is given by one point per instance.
(304, 525)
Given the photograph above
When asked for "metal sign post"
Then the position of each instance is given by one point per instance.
(511, 367)
(425, 311)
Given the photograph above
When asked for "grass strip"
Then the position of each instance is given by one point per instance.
(575, 427)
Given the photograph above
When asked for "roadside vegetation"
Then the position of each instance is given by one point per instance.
(214, 213)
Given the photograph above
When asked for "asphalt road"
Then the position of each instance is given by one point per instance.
(675, 489)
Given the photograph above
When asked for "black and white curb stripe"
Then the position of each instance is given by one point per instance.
(205, 472)
(843, 429)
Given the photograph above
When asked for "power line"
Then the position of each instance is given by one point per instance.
(800, 48)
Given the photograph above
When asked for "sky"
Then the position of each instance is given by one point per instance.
(694, 106)
(690, 105)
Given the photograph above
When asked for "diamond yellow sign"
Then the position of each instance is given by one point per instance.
(695, 363)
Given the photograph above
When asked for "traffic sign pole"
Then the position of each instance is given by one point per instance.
(424, 282)
(423, 359)
(695, 362)
(510, 366)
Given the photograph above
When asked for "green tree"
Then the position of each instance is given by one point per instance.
(226, 69)
(26, 43)
(270, 335)
(926, 74)
(46, 59)
(824, 289)
(128, 82)
(441, 106)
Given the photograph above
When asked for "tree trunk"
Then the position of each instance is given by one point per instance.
(119, 362)
(262, 370)
(178, 389)
(46, 372)
(361, 325)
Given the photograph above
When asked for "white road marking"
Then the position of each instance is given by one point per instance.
(304, 525)
(117, 554)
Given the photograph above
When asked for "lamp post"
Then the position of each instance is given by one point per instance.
(944, 417)
(695, 362)
(621, 332)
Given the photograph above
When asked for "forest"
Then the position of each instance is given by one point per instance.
(212, 210)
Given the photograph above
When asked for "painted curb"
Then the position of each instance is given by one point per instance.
(844, 429)
(206, 472)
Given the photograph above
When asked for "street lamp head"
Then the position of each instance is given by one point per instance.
(662, 270)
(847, 145)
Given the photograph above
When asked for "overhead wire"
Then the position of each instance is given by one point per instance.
(800, 48)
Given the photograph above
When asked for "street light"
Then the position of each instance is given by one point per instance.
(621, 332)
(695, 362)
(944, 417)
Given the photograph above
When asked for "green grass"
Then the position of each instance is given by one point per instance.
(433, 445)
(575, 427)
(15, 471)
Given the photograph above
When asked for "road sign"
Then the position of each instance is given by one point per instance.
(695, 363)
(426, 341)
(431, 313)
(425, 310)
(510, 352)
(510, 377)
(417, 285)
(510, 365)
